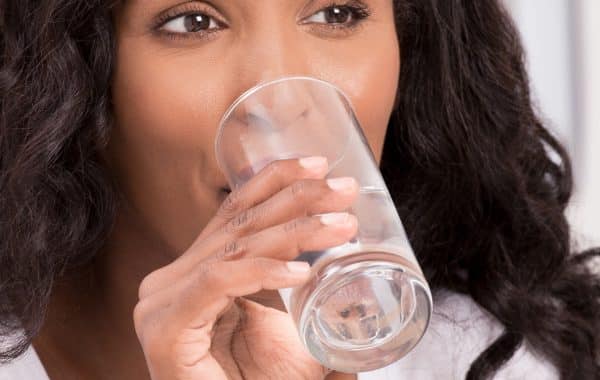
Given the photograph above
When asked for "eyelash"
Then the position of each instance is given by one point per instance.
(358, 12)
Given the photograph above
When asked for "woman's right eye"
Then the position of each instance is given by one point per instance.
(190, 23)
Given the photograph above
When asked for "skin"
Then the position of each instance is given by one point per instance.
(168, 96)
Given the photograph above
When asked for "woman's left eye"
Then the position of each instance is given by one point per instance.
(345, 15)
(190, 23)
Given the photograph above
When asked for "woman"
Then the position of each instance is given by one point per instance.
(123, 256)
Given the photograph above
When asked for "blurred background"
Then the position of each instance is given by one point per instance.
(562, 43)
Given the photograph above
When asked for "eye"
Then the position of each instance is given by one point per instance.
(332, 15)
(190, 23)
(339, 15)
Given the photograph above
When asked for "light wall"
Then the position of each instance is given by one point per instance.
(562, 42)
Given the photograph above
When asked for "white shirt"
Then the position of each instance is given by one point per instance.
(459, 330)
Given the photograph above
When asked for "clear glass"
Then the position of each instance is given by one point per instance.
(367, 303)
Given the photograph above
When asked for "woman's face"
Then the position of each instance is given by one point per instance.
(180, 64)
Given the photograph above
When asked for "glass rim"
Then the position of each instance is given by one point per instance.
(259, 87)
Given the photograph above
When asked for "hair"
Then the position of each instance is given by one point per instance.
(464, 146)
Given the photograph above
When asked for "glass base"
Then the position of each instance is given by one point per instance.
(363, 312)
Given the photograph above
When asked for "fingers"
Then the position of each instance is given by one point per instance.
(274, 177)
(244, 249)
(197, 300)
(258, 322)
(175, 326)
(301, 198)
(286, 241)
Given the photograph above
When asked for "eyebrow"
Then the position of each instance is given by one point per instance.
(209, 2)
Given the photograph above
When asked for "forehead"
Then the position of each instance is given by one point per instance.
(248, 4)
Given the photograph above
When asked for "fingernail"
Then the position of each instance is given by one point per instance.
(341, 184)
(316, 163)
(335, 218)
(298, 266)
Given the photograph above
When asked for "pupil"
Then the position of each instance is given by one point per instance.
(337, 15)
(194, 23)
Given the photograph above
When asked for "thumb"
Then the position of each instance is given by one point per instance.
(255, 311)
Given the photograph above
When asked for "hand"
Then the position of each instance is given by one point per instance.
(192, 320)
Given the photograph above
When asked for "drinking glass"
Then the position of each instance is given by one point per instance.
(367, 303)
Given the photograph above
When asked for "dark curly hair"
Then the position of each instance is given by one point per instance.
(469, 165)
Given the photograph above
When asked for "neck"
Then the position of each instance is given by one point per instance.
(88, 330)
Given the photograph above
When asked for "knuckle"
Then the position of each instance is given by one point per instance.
(151, 329)
(261, 265)
(143, 289)
(231, 205)
(279, 173)
(234, 249)
(291, 226)
(209, 277)
(139, 314)
(298, 189)
(300, 225)
(142, 314)
(274, 170)
(146, 286)
(204, 271)
(244, 221)
(297, 230)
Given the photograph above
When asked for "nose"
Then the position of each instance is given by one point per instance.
(277, 105)
(269, 56)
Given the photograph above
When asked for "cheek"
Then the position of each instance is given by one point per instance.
(373, 99)
(157, 106)
(166, 109)
(370, 79)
